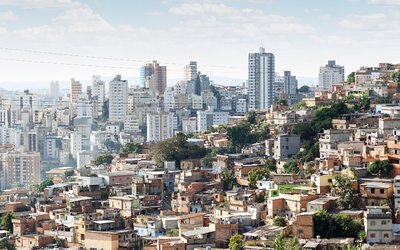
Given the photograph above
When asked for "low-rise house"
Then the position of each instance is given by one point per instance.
(117, 178)
(334, 243)
(111, 240)
(323, 203)
(377, 193)
(304, 226)
(378, 224)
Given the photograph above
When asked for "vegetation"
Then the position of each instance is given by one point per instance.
(103, 159)
(244, 134)
(59, 242)
(131, 148)
(344, 189)
(251, 117)
(69, 173)
(105, 194)
(396, 76)
(236, 242)
(351, 78)
(6, 222)
(336, 225)
(44, 184)
(5, 244)
(228, 179)
(270, 165)
(174, 232)
(208, 159)
(291, 167)
(112, 146)
(176, 149)
(304, 89)
(279, 221)
(322, 120)
(380, 168)
(285, 242)
(257, 174)
(309, 152)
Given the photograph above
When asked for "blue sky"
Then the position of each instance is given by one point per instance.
(219, 34)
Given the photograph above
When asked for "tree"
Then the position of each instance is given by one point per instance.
(131, 148)
(5, 244)
(283, 102)
(279, 221)
(59, 242)
(111, 145)
(284, 242)
(351, 78)
(396, 76)
(177, 148)
(291, 167)
(104, 194)
(251, 117)
(236, 242)
(304, 89)
(228, 179)
(380, 168)
(270, 165)
(6, 222)
(68, 173)
(257, 174)
(174, 232)
(104, 159)
(336, 225)
(44, 184)
(343, 188)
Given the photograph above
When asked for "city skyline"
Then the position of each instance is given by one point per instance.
(217, 34)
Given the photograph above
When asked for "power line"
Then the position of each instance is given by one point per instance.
(106, 58)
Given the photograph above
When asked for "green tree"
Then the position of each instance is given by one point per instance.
(284, 242)
(380, 168)
(336, 225)
(251, 117)
(257, 174)
(351, 78)
(5, 244)
(176, 149)
(104, 159)
(59, 242)
(69, 173)
(279, 221)
(105, 194)
(343, 188)
(6, 222)
(112, 146)
(304, 89)
(270, 165)
(396, 76)
(174, 232)
(291, 167)
(44, 184)
(228, 179)
(236, 242)
(131, 148)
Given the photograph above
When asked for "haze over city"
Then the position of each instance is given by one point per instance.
(217, 34)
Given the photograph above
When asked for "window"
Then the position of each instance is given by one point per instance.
(329, 180)
(385, 235)
(373, 190)
(383, 222)
(372, 235)
(373, 223)
(300, 231)
(382, 191)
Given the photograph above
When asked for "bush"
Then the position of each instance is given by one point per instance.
(279, 221)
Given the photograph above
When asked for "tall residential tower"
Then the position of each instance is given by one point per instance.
(261, 80)
(330, 74)
(118, 99)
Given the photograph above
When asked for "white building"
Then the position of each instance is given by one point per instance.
(54, 89)
(261, 80)
(241, 106)
(191, 71)
(206, 119)
(160, 126)
(330, 74)
(131, 124)
(290, 83)
(286, 146)
(118, 99)
(169, 99)
(84, 158)
(98, 89)
(197, 102)
(189, 124)
(378, 224)
(76, 144)
(329, 140)
(84, 107)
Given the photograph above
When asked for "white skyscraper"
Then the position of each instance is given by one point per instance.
(98, 89)
(118, 99)
(290, 83)
(330, 74)
(54, 89)
(261, 79)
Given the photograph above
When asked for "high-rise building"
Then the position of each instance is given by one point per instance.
(118, 99)
(76, 90)
(98, 89)
(21, 169)
(155, 76)
(261, 79)
(160, 126)
(54, 89)
(191, 71)
(330, 74)
(290, 83)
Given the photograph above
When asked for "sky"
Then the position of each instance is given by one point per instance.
(49, 40)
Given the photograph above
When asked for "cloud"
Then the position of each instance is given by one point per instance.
(384, 2)
(196, 9)
(8, 16)
(377, 22)
(312, 10)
